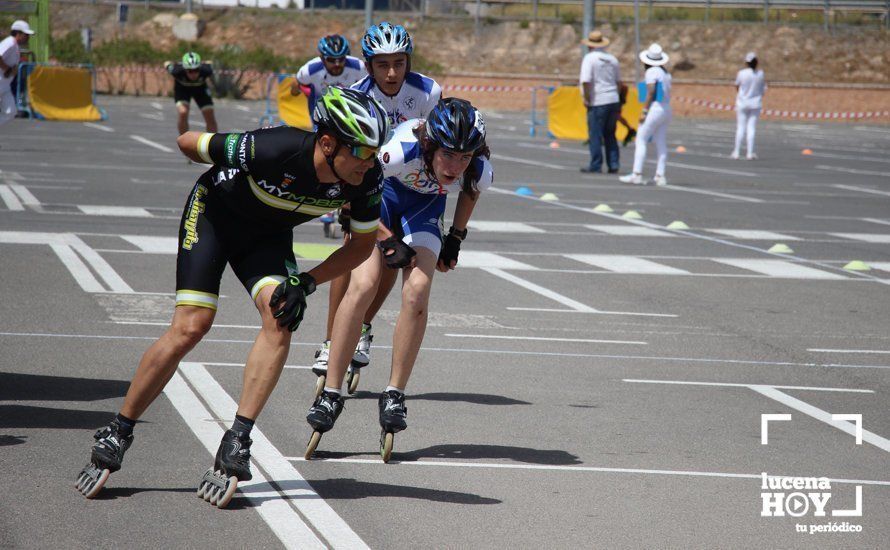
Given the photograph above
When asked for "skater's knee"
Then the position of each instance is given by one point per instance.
(190, 327)
(362, 288)
(415, 298)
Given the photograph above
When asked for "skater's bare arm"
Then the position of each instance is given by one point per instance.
(188, 144)
(346, 258)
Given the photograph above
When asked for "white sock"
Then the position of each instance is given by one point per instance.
(332, 390)
(393, 388)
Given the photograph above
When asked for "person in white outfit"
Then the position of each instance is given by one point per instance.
(10, 54)
(750, 84)
(655, 118)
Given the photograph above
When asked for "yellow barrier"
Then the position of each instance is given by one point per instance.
(567, 116)
(62, 93)
(293, 110)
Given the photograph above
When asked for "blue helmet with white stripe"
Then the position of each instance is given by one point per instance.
(456, 125)
(333, 45)
(386, 38)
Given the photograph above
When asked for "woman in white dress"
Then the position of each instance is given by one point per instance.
(655, 118)
(750, 84)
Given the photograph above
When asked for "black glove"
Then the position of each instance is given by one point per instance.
(293, 292)
(344, 216)
(450, 248)
(396, 254)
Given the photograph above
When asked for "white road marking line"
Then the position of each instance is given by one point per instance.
(708, 169)
(319, 514)
(866, 237)
(120, 211)
(77, 268)
(630, 230)
(542, 339)
(563, 468)
(611, 356)
(553, 310)
(284, 521)
(852, 171)
(713, 193)
(151, 143)
(10, 199)
(529, 162)
(503, 227)
(473, 258)
(823, 416)
(115, 167)
(243, 108)
(547, 293)
(822, 350)
(779, 268)
(875, 220)
(564, 300)
(729, 385)
(212, 364)
(98, 127)
(754, 234)
(153, 116)
(626, 264)
(883, 266)
(99, 265)
(26, 196)
(849, 157)
(153, 245)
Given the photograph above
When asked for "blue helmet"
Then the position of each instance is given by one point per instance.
(456, 125)
(333, 45)
(386, 38)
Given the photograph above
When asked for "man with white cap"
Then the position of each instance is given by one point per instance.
(10, 54)
(600, 82)
(750, 84)
(656, 116)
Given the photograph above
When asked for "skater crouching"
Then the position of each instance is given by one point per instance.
(422, 163)
(242, 212)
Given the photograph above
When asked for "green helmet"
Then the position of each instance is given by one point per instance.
(354, 117)
(191, 60)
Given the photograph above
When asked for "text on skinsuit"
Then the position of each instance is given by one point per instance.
(196, 207)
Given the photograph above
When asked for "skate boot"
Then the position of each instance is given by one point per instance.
(393, 419)
(360, 359)
(232, 464)
(105, 458)
(320, 367)
(321, 417)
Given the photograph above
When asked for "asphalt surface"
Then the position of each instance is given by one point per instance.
(586, 380)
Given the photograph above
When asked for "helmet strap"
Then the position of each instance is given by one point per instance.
(330, 160)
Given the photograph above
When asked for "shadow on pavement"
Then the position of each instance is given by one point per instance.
(550, 457)
(353, 489)
(111, 493)
(35, 387)
(473, 398)
(22, 416)
(7, 440)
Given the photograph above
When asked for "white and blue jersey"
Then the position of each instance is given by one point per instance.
(316, 76)
(417, 97)
(413, 204)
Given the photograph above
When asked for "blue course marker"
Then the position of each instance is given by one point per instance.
(525, 192)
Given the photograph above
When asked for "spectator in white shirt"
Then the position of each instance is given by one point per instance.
(600, 82)
(10, 55)
(750, 84)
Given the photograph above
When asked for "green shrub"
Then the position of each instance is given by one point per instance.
(69, 49)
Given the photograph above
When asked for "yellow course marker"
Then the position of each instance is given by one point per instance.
(549, 197)
(632, 215)
(603, 208)
(677, 224)
(781, 248)
(312, 251)
(857, 265)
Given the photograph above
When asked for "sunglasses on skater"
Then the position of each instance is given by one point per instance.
(363, 153)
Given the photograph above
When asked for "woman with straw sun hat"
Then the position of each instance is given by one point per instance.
(656, 115)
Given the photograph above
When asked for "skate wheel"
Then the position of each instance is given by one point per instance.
(319, 385)
(91, 488)
(214, 495)
(352, 378)
(226, 496)
(313, 444)
(386, 441)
